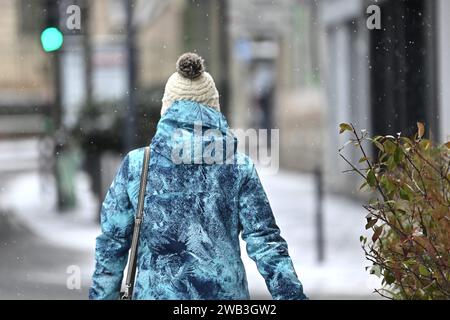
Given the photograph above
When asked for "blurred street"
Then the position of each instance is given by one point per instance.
(38, 244)
(32, 267)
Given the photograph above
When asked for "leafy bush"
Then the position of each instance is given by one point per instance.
(410, 217)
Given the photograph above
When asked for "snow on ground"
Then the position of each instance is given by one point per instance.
(341, 276)
(73, 229)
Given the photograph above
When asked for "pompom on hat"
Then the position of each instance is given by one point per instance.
(190, 82)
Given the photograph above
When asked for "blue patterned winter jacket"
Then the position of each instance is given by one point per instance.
(193, 216)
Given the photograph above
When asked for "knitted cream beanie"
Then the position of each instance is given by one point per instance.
(190, 82)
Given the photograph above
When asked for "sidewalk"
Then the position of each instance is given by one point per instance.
(341, 276)
(42, 244)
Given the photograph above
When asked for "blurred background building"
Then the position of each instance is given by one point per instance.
(301, 66)
(386, 80)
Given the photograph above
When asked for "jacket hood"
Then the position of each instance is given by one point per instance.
(192, 133)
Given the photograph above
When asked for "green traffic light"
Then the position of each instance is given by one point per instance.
(51, 39)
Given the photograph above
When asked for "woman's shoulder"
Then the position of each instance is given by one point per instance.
(134, 159)
(136, 154)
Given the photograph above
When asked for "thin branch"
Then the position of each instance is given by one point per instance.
(432, 166)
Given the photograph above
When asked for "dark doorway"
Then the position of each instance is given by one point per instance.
(402, 57)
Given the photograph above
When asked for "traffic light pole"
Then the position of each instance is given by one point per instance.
(59, 133)
(87, 49)
(225, 56)
(130, 121)
(51, 27)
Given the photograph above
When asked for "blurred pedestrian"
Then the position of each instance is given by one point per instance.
(193, 212)
(263, 91)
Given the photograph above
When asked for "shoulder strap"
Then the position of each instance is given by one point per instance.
(131, 274)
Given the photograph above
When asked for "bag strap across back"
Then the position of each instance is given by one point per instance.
(131, 274)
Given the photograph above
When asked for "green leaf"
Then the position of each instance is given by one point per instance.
(371, 178)
(405, 194)
(364, 159)
(410, 262)
(424, 271)
(389, 146)
(425, 144)
(378, 145)
(382, 158)
(406, 141)
(362, 239)
(389, 277)
(398, 155)
(345, 127)
(387, 184)
(377, 138)
(391, 164)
